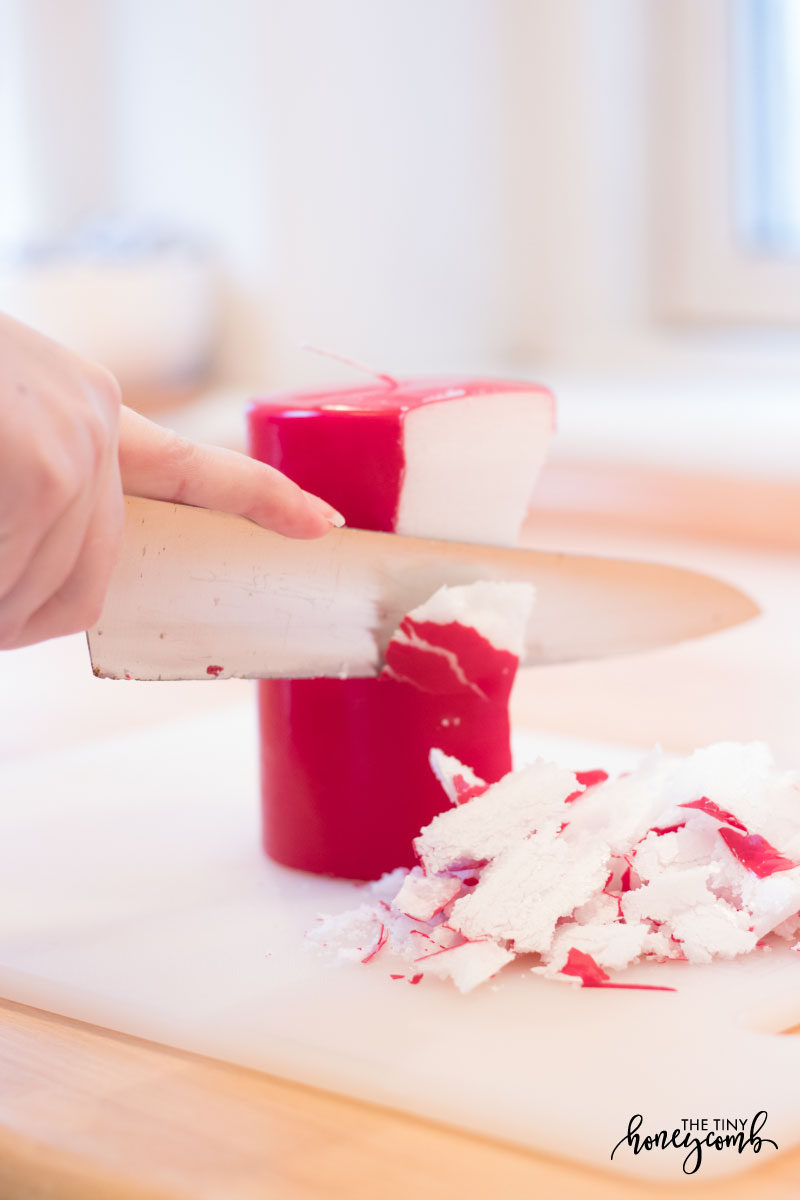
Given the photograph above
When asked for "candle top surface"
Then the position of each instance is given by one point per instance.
(386, 395)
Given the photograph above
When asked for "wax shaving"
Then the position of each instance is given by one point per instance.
(575, 874)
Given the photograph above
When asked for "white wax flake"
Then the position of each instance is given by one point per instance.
(732, 774)
(619, 873)
(789, 929)
(467, 965)
(601, 909)
(387, 887)
(423, 896)
(713, 930)
(612, 945)
(528, 887)
(348, 937)
(622, 810)
(668, 894)
(522, 802)
(772, 901)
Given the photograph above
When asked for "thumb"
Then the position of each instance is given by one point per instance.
(160, 465)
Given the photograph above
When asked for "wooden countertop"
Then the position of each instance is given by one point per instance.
(85, 1113)
(90, 1115)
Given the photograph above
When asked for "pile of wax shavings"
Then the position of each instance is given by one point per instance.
(686, 861)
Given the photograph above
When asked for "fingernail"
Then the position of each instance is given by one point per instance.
(326, 510)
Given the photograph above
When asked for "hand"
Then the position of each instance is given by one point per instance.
(68, 451)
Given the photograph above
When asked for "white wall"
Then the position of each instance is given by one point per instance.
(424, 184)
(347, 156)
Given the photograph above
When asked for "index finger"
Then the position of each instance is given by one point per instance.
(158, 464)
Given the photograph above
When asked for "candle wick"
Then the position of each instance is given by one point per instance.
(350, 362)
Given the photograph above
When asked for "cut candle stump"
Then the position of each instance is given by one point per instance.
(345, 777)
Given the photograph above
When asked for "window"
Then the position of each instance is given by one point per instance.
(728, 159)
(766, 81)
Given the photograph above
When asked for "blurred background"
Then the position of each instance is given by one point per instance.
(604, 194)
(601, 195)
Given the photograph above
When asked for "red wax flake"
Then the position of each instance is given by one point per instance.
(416, 978)
(467, 791)
(382, 936)
(561, 827)
(708, 806)
(584, 966)
(754, 852)
(215, 671)
(660, 830)
(590, 778)
(473, 881)
(593, 975)
(574, 796)
(397, 976)
(127, 676)
(625, 879)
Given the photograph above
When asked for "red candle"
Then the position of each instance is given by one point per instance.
(346, 783)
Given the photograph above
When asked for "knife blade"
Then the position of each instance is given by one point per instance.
(198, 594)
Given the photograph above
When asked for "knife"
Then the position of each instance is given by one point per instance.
(198, 594)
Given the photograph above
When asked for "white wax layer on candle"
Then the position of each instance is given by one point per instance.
(470, 464)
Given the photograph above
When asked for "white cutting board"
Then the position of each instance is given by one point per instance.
(133, 894)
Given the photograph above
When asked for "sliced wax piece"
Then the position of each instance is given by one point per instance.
(713, 810)
(622, 810)
(788, 929)
(714, 930)
(600, 909)
(526, 890)
(387, 887)
(731, 774)
(530, 799)
(693, 844)
(463, 638)
(704, 922)
(584, 968)
(755, 853)
(348, 937)
(779, 822)
(772, 901)
(668, 894)
(423, 896)
(460, 783)
(450, 458)
(612, 945)
(591, 778)
(468, 964)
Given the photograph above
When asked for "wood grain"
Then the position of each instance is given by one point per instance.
(90, 1115)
